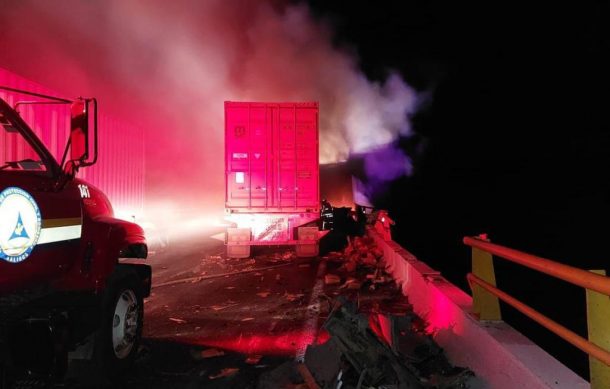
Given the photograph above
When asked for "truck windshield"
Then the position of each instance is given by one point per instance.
(16, 153)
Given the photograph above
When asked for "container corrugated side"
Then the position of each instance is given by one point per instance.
(119, 171)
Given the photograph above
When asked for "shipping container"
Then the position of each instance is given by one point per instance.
(119, 171)
(271, 174)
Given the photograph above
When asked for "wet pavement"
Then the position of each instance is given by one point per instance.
(215, 322)
(212, 321)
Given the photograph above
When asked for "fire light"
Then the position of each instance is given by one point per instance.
(281, 344)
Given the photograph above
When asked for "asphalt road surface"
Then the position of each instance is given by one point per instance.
(217, 322)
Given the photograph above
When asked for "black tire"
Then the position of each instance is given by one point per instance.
(111, 357)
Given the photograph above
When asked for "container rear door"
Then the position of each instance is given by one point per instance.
(271, 157)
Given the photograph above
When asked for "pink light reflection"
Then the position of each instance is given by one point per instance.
(284, 344)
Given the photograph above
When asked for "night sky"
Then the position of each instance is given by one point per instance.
(513, 140)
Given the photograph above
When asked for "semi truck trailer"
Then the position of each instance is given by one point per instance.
(272, 177)
(66, 292)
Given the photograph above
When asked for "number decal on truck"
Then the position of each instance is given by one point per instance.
(84, 191)
(20, 224)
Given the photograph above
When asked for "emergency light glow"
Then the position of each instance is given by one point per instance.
(281, 344)
(178, 79)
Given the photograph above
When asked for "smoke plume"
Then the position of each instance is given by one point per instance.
(169, 66)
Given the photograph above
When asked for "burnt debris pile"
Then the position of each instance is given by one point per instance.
(359, 265)
(360, 353)
(371, 336)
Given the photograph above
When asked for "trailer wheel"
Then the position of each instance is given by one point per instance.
(118, 338)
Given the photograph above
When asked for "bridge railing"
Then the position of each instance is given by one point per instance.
(486, 298)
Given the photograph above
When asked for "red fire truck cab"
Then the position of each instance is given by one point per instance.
(64, 293)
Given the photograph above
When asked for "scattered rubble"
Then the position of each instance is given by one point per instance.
(334, 256)
(211, 352)
(221, 307)
(307, 376)
(278, 256)
(352, 283)
(226, 372)
(253, 359)
(357, 355)
(371, 338)
(293, 296)
(362, 255)
(332, 279)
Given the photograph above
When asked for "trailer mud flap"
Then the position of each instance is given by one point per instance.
(237, 242)
(308, 234)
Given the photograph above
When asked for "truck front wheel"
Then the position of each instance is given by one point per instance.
(125, 324)
(119, 335)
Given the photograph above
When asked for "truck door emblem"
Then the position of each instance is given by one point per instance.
(20, 231)
(20, 224)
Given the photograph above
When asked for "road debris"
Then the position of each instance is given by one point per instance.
(226, 372)
(253, 359)
(306, 374)
(352, 283)
(293, 296)
(221, 307)
(278, 296)
(415, 361)
(221, 275)
(332, 279)
(357, 355)
(211, 352)
(361, 265)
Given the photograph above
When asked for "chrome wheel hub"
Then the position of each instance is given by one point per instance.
(125, 324)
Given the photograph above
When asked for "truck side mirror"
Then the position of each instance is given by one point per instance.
(79, 131)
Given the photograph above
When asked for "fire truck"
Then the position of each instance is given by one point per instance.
(71, 280)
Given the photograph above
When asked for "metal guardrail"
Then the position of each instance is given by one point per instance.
(486, 304)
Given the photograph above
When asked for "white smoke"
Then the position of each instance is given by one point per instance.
(169, 65)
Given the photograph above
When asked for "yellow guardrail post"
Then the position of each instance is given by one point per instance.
(598, 314)
(484, 304)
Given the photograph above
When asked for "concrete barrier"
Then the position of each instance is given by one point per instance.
(500, 356)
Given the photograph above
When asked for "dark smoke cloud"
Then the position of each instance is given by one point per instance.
(169, 65)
